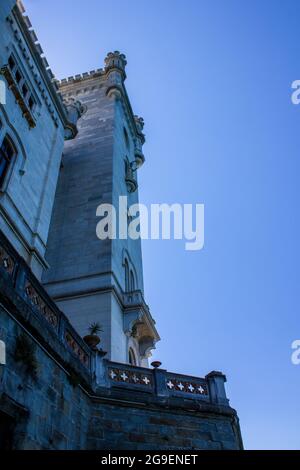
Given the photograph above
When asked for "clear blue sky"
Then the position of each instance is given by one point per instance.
(212, 81)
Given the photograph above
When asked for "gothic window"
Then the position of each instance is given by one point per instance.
(11, 63)
(18, 76)
(7, 152)
(31, 102)
(126, 163)
(23, 85)
(24, 90)
(126, 138)
(127, 288)
(132, 358)
(132, 282)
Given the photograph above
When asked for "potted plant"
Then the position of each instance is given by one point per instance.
(92, 339)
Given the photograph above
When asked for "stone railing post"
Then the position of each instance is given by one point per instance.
(216, 382)
(160, 382)
(100, 363)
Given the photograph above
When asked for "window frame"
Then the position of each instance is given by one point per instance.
(132, 357)
(24, 81)
(8, 159)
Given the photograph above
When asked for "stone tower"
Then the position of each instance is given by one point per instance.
(96, 280)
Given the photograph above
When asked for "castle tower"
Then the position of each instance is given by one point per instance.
(95, 280)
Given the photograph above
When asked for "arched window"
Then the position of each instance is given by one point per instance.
(132, 281)
(127, 167)
(7, 152)
(127, 288)
(126, 138)
(132, 358)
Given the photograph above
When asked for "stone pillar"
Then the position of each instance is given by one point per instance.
(160, 382)
(101, 370)
(216, 382)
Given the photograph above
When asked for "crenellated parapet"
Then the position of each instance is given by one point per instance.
(79, 77)
(111, 78)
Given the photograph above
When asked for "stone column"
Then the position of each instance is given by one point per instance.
(160, 382)
(216, 382)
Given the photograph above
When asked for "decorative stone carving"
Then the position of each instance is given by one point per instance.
(184, 386)
(37, 301)
(146, 345)
(75, 109)
(76, 349)
(132, 377)
(139, 121)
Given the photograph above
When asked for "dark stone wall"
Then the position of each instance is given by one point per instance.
(52, 410)
(117, 427)
(48, 410)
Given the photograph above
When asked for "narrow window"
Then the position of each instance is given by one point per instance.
(132, 359)
(7, 151)
(31, 103)
(126, 276)
(126, 138)
(132, 283)
(11, 63)
(24, 90)
(18, 76)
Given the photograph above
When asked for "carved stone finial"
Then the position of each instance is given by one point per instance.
(115, 61)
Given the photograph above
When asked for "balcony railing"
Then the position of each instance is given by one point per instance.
(162, 383)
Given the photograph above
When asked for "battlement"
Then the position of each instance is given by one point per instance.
(114, 61)
(42, 75)
(34, 38)
(79, 77)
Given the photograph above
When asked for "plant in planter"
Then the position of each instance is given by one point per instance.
(92, 339)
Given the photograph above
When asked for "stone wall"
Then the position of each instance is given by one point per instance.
(157, 428)
(49, 412)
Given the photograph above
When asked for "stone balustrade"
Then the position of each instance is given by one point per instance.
(161, 383)
(39, 304)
